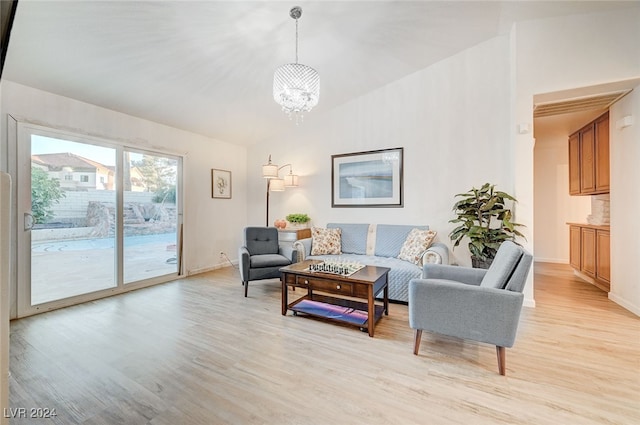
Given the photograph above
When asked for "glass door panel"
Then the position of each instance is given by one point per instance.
(150, 216)
(99, 218)
(73, 206)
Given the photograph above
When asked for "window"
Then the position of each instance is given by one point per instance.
(111, 258)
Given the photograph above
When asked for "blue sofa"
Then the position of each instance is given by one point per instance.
(378, 245)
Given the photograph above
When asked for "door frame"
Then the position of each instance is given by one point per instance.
(19, 131)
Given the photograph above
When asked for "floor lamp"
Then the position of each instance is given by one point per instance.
(270, 172)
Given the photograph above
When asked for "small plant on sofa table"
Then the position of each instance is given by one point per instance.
(298, 218)
(482, 216)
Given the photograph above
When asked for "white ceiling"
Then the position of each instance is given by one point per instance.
(207, 66)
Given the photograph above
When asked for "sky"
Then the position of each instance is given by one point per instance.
(101, 154)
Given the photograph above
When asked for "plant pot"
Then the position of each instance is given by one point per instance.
(297, 226)
(479, 263)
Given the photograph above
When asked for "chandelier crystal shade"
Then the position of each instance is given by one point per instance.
(296, 87)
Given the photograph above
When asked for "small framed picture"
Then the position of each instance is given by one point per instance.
(220, 184)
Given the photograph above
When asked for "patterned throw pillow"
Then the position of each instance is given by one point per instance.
(325, 241)
(416, 243)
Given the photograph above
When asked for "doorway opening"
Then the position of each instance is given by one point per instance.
(557, 115)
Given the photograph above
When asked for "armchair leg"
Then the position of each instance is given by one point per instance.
(502, 360)
(418, 337)
(246, 287)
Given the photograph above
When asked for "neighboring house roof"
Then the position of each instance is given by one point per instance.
(57, 161)
(35, 159)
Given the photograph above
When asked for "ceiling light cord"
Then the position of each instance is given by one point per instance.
(296, 40)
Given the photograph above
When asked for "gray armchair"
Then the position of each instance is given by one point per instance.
(261, 256)
(477, 304)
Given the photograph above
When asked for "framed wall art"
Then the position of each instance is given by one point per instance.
(220, 184)
(367, 179)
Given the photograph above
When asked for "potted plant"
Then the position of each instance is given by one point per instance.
(298, 220)
(483, 217)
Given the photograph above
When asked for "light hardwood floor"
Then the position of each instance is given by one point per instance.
(196, 351)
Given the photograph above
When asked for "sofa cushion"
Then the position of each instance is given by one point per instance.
(416, 243)
(502, 266)
(268, 260)
(353, 238)
(391, 237)
(325, 241)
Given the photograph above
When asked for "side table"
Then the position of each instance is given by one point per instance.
(292, 235)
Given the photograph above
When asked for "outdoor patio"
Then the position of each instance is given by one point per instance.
(61, 269)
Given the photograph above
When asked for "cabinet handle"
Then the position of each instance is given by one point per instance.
(337, 286)
(306, 282)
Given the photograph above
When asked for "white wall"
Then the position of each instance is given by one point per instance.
(563, 53)
(453, 120)
(210, 225)
(625, 203)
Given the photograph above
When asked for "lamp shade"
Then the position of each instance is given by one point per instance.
(270, 171)
(276, 185)
(291, 180)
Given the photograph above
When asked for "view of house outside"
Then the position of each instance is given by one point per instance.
(74, 214)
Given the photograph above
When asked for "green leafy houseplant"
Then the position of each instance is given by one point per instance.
(298, 218)
(483, 218)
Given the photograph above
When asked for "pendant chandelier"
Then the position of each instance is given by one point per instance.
(296, 87)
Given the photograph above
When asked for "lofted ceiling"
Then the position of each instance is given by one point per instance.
(207, 66)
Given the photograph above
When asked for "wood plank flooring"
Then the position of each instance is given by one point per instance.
(196, 351)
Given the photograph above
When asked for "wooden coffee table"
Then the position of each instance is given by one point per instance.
(352, 299)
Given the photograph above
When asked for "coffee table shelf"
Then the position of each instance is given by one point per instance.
(338, 309)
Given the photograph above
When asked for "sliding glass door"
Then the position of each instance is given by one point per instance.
(150, 222)
(99, 218)
(73, 218)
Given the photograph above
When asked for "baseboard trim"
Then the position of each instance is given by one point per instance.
(211, 268)
(529, 302)
(623, 303)
(551, 260)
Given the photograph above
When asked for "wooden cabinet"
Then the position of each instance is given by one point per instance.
(602, 154)
(574, 164)
(588, 251)
(589, 158)
(603, 256)
(575, 236)
(590, 254)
